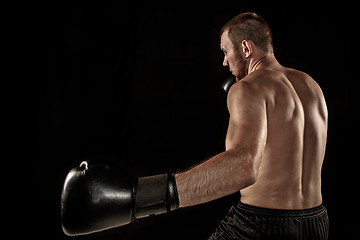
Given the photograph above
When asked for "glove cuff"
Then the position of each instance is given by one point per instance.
(172, 193)
(155, 195)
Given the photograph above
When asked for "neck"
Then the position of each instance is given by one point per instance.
(260, 62)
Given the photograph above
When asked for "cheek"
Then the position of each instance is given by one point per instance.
(234, 58)
(238, 67)
(235, 63)
(231, 60)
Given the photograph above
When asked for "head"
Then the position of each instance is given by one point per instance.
(245, 36)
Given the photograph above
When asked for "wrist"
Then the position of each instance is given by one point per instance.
(155, 195)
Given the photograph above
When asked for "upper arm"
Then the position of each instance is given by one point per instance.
(247, 130)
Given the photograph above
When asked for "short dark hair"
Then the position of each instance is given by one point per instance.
(249, 26)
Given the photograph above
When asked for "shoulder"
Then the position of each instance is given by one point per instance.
(303, 82)
(241, 91)
(298, 77)
(251, 83)
(254, 85)
(247, 93)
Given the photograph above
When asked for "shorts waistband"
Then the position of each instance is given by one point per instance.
(269, 212)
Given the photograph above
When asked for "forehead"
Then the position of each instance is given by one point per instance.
(224, 40)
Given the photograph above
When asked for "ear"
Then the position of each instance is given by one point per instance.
(246, 47)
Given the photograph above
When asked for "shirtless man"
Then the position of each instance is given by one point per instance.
(275, 144)
(275, 147)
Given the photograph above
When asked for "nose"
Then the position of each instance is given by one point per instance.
(225, 62)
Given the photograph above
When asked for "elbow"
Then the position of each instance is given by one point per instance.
(245, 177)
(247, 170)
(251, 177)
(250, 173)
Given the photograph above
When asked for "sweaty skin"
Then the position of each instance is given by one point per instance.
(276, 137)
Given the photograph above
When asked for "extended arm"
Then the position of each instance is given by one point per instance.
(96, 197)
(237, 167)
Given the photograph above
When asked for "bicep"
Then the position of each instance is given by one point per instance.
(247, 128)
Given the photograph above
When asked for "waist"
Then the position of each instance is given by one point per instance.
(282, 213)
(277, 196)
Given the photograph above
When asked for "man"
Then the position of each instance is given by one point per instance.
(275, 147)
(275, 144)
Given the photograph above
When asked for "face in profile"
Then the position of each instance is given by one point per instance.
(233, 57)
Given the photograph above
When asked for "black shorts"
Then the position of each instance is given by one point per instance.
(249, 222)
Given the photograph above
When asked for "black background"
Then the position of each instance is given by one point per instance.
(139, 85)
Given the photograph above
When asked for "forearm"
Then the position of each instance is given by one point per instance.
(221, 175)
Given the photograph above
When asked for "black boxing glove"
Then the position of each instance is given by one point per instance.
(97, 197)
(226, 85)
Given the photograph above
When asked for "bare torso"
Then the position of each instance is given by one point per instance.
(275, 144)
(289, 176)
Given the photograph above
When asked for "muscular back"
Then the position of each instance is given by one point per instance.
(289, 174)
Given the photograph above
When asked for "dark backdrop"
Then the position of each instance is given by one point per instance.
(139, 85)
